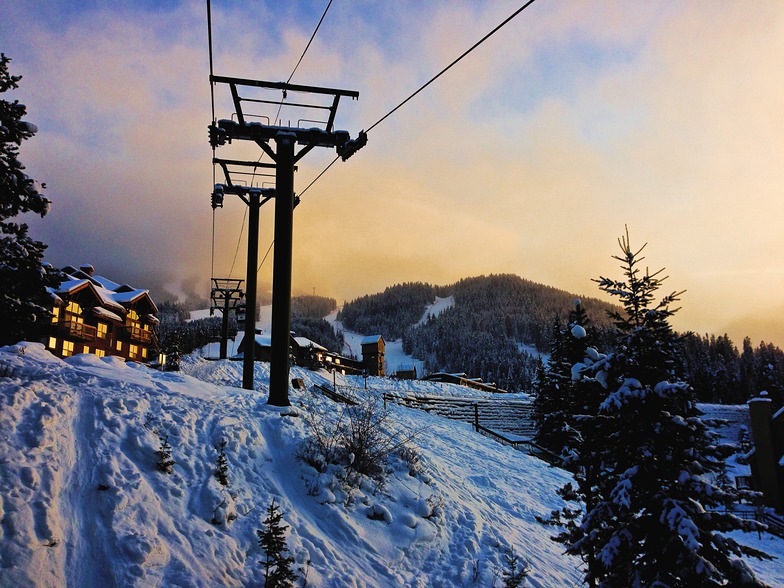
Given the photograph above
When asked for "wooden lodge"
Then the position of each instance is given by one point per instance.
(92, 314)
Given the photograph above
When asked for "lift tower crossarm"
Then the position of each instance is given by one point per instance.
(285, 87)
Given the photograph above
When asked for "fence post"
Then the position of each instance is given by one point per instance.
(476, 416)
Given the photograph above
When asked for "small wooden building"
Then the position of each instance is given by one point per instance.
(373, 355)
(767, 457)
(92, 314)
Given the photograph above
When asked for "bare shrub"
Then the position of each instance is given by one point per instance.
(360, 440)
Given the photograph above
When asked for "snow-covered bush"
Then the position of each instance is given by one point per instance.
(359, 438)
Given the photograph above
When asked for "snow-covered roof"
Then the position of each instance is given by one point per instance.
(101, 312)
(112, 295)
(70, 286)
(371, 339)
(305, 342)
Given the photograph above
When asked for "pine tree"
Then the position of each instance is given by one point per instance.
(222, 465)
(165, 462)
(24, 278)
(557, 399)
(277, 564)
(650, 474)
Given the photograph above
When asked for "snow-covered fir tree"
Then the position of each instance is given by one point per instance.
(272, 539)
(557, 399)
(650, 472)
(24, 278)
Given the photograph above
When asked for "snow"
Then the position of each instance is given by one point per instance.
(83, 504)
(435, 309)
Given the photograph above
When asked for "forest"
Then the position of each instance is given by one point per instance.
(497, 322)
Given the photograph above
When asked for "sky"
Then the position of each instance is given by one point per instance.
(531, 156)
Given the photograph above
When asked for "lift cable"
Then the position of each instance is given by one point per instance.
(430, 81)
(313, 36)
(239, 240)
(212, 101)
(265, 256)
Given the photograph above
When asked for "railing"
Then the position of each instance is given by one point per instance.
(139, 334)
(78, 330)
(336, 396)
(774, 522)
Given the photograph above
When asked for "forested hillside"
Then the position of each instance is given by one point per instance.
(389, 313)
(482, 334)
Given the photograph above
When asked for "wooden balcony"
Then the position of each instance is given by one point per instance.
(78, 330)
(139, 334)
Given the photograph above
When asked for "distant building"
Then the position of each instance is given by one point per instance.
(305, 353)
(373, 347)
(767, 457)
(92, 314)
(463, 380)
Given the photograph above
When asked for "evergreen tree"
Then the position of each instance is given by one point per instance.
(222, 464)
(277, 563)
(557, 399)
(24, 278)
(650, 472)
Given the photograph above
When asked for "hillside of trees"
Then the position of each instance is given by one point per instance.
(389, 313)
(481, 335)
(307, 320)
(497, 319)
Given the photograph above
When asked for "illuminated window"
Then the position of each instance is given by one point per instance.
(87, 349)
(100, 352)
(68, 348)
(73, 307)
(55, 314)
(133, 315)
(52, 343)
(133, 351)
(144, 352)
(119, 345)
(102, 330)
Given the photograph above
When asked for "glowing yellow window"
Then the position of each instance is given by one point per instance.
(52, 343)
(144, 352)
(103, 330)
(55, 314)
(119, 345)
(100, 352)
(133, 351)
(68, 348)
(133, 315)
(74, 307)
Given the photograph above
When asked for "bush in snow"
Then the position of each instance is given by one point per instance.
(515, 572)
(164, 454)
(360, 440)
(24, 278)
(277, 562)
(649, 474)
(222, 465)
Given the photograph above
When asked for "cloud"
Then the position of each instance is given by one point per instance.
(528, 157)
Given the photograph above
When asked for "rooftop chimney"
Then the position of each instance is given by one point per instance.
(88, 269)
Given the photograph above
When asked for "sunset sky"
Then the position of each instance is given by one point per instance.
(529, 157)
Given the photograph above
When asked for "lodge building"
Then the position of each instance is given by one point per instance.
(92, 314)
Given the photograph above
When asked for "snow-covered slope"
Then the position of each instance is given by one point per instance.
(82, 502)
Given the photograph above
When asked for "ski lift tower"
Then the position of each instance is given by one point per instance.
(225, 296)
(285, 155)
